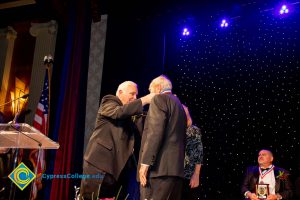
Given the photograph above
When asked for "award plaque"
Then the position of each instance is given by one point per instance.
(262, 191)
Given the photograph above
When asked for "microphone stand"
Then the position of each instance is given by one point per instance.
(21, 97)
(15, 152)
(14, 124)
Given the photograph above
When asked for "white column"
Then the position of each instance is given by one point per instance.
(7, 42)
(45, 34)
(97, 46)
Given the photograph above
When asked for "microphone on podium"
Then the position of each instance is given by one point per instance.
(24, 96)
(21, 97)
(13, 122)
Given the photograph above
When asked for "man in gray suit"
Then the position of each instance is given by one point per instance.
(112, 141)
(161, 163)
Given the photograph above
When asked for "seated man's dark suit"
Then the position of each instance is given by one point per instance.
(283, 184)
(111, 143)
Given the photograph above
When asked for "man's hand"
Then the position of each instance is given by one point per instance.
(252, 196)
(272, 197)
(143, 174)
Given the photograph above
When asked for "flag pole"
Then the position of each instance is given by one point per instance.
(48, 60)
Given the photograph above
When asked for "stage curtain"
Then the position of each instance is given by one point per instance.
(69, 94)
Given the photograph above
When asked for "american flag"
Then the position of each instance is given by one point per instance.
(41, 114)
(40, 122)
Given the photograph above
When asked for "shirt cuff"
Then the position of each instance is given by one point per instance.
(279, 197)
(245, 194)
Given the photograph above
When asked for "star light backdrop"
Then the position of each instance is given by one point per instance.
(240, 80)
(241, 84)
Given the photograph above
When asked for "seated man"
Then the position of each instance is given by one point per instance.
(276, 179)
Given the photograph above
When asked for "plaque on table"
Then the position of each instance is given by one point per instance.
(262, 191)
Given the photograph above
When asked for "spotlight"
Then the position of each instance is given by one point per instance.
(185, 32)
(284, 10)
(224, 23)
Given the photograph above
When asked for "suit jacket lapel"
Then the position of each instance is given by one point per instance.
(255, 175)
(277, 180)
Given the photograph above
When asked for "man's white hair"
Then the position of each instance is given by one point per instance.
(163, 81)
(123, 86)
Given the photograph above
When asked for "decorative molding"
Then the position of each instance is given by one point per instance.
(45, 34)
(7, 38)
(8, 33)
(50, 27)
(16, 3)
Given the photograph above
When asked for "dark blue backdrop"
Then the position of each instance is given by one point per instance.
(240, 84)
(242, 87)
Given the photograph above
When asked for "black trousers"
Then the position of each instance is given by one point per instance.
(162, 188)
(94, 188)
(107, 186)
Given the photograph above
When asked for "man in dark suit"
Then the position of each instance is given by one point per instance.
(112, 142)
(161, 163)
(277, 179)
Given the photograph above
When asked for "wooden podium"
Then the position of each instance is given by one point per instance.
(17, 136)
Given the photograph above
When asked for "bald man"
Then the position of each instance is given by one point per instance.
(161, 163)
(278, 180)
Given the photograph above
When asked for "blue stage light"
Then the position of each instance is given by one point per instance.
(284, 10)
(224, 23)
(185, 32)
